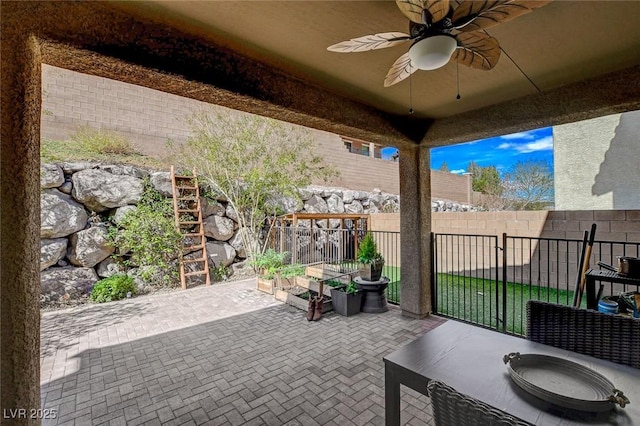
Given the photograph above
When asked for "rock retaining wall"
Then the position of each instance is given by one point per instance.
(79, 199)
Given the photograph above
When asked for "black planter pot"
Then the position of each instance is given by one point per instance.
(346, 304)
(371, 271)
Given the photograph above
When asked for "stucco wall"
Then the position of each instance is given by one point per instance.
(150, 118)
(597, 163)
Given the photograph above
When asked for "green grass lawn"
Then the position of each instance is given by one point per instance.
(475, 300)
(393, 290)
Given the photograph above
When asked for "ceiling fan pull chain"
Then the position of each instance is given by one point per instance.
(458, 79)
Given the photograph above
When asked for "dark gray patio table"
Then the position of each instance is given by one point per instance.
(469, 359)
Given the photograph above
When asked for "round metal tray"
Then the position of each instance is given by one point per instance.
(564, 383)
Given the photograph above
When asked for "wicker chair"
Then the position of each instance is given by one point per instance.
(452, 408)
(611, 337)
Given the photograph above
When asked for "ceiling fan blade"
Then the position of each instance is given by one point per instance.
(476, 15)
(369, 42)
(477, 50)
(400, 70)
(437, 8)
(412, 9)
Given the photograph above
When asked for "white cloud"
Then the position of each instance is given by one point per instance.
(506, 145)
(458, 171)
(521, 135)
(544, 144)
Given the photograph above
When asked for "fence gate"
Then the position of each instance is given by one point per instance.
(466, 279)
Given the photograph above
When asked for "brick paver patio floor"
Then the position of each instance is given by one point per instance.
(225, 354)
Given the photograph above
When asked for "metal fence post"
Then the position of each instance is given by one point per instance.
(434, 275)
(504, 282)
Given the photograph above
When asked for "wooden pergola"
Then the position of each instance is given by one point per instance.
(361, 222)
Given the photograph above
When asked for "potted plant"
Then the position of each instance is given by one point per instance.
(268, 264)
(370, 260)
(346, 299)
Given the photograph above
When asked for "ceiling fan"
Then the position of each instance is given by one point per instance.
(439, 31)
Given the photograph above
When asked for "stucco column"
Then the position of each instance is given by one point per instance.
(20, 223)
(415, 229)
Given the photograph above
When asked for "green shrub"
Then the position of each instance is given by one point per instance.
(219, 273)
(269, 262)
(113, 288)
(290, 271)
(101, 141)
(368, 250)
(150, 233)
(351, 288)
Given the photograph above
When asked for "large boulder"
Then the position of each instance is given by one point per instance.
(355, 207)
(60, 215)
(286, 203)
(372, 209)
(305, 193)
(360, 195)
(51, 176)
(66, 187)
(376, 200)
(68, 282)
(51, 251)
(121, 212)
(161, 181)
(220, 253)
(100, 190)
(109, 267)
(328, 192)
(124, 170)
(74, 167)
(237, 243)
(335, 204)
(333, 223)
(218, 227)
(316, 204)
(89, 247)
(348, 196)
(210, 207)
(231, 213)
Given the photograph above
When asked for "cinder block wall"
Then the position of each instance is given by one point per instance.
(542, 260)
(449, 186)
(150, 118)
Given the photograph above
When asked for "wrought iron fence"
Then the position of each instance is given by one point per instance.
(465, 276)
(338, 246)
(487, 280)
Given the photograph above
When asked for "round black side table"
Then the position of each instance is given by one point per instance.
(374, 300)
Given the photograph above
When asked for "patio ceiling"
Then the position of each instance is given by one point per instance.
(557, 46)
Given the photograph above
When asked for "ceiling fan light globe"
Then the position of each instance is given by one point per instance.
(432, 52)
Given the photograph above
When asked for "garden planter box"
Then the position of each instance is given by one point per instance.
(346, 304)
(291, 297)
(266, 285)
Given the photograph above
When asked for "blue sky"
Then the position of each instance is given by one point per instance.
(501, 151)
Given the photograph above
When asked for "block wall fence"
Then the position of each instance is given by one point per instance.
(150, 118)
(530, 261)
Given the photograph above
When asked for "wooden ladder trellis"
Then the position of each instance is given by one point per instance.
(188, 217)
